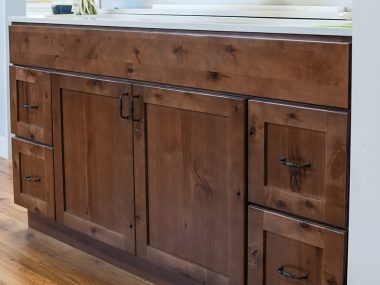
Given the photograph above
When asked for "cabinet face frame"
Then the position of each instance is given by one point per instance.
(21, 151)
(331, 244)
(330, 206)
(42, 132)
(89, 86)
(234, 111)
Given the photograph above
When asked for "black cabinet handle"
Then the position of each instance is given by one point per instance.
(121, 106)
(291, 164)
(132, 110)
(281, 270)
(27, 106)
(32, 179)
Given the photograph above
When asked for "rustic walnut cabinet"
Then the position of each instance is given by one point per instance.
(94, 159)
(217, 158)
(190, 197)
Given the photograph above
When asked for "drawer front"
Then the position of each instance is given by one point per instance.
(33, 177)
(307, 69)
(31, 104)
(285, 251)
(298, 161)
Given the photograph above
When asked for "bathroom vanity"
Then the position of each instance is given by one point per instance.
(189, 157)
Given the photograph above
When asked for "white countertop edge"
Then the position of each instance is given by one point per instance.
(193, 26)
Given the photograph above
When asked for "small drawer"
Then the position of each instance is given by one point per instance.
(33, 177)
(287, 251)
(298, 161)
(31, 116)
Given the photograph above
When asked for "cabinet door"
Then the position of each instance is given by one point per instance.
(33, 177)
(190, 183)
(30, 92)
(287, 251)
(94, 159)
(298, 161)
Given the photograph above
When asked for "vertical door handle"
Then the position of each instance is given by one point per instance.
(132, 108)
(121, 106)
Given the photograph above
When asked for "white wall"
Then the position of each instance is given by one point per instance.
(7, 8)
(364, 238)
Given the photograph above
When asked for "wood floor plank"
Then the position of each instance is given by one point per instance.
(28, 257)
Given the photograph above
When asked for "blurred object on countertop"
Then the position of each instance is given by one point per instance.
(62, 9)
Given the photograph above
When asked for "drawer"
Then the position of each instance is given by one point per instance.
(298, 161)
(31, 104)
(285, 251)
(33, 177)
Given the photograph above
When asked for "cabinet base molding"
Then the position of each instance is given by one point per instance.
(130, 263)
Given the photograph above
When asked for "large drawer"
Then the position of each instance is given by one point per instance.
(298, 161)
(309, 69)
(287, 251)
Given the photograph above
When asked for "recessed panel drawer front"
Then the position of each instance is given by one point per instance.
(298, 161)
(31, 104)
(33, 177)
(285, 251)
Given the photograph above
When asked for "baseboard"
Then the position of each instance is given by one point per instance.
(4, 147)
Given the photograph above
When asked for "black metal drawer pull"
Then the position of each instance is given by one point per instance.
(281, 270)
(32, 178)
(291, 164)
(27, 106)
(121, 106)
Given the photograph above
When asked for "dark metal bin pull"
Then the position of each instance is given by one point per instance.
(281, 270)
(32, 178)
(291, 164)
(27, 106)
(132, 110)
(121, 106)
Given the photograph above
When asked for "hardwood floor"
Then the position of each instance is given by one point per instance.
(30, 257)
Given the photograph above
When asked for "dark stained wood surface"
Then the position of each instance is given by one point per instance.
(190, 186)
(33, 178)
(33, 88)
(299, 247)
(300, 135)
(313, 70)
(94, 160)
(29, 257)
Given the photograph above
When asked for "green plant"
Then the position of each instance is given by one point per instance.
(87, 7)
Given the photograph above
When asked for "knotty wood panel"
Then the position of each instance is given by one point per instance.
(190, 190)
(30, 92)
(33, 177)
(94, 160)
(312, 70)
(300, 136)
(277, 242)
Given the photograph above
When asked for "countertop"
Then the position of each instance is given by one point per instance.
(200, 23)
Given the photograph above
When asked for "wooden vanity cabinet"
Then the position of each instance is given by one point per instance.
(93, 159)
(190, 183)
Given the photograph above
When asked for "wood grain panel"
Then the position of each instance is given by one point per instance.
(94, 160)
(313, 70)
(279, 246)
(30, 92)
(33, 177)
(302, 136)
(190, 193)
